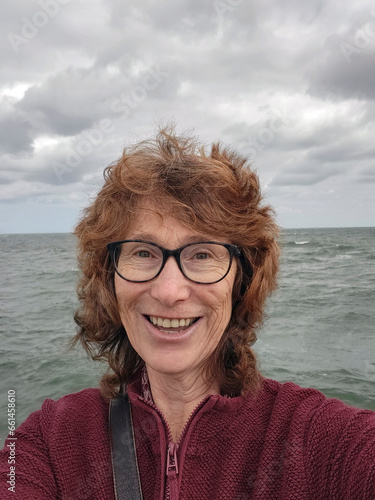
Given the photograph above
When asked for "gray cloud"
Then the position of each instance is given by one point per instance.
(306, 174)
(337, 79)
(90, 80)
(15, 135)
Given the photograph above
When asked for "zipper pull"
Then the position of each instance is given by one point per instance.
(172, 464)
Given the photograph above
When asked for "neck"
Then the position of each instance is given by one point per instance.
(177, 396)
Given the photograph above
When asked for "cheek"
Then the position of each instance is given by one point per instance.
(118, 287)
(221, 311)
(125, 305)
(125, 298)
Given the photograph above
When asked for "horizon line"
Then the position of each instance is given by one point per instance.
(281, 227)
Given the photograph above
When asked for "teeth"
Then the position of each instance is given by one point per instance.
(168, 323)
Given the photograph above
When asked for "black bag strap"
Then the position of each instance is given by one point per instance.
(124, 458)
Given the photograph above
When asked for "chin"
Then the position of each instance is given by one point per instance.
(170, 363)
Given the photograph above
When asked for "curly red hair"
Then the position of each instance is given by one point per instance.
(214, 192)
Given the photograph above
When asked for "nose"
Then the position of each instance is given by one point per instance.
(170, 286)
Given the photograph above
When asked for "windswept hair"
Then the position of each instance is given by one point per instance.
(213, 192)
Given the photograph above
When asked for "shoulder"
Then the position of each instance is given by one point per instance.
(285, 397)
(82, 401)
(289, 405)
(290, 396)
(308, 435)
(58, 445)
(85, 409)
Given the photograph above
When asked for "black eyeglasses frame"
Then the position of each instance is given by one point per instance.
(232, 249)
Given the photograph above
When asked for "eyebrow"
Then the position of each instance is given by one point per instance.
(154, 239)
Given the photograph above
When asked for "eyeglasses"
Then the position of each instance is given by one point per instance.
(205, 262)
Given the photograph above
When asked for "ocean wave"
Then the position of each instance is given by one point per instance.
(344, 246)
(319, 330)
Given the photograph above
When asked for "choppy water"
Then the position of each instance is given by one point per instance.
(320, 330)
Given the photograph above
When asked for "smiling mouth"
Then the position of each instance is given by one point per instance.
(171, 325)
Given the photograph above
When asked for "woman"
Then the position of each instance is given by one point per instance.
(178, 257)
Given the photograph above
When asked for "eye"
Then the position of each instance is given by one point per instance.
(143, 253)
(201, 255)
(139, 251)
(146, 252)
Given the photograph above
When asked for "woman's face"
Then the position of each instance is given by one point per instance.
(170, 296)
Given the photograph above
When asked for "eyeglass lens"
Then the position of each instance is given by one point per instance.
(201, 262)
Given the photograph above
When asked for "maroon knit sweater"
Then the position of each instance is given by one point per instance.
(285, 443)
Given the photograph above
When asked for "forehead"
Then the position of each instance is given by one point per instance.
(154, 222)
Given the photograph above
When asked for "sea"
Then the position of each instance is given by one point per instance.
(319, 331)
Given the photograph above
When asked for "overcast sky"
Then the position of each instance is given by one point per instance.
(290, 84)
